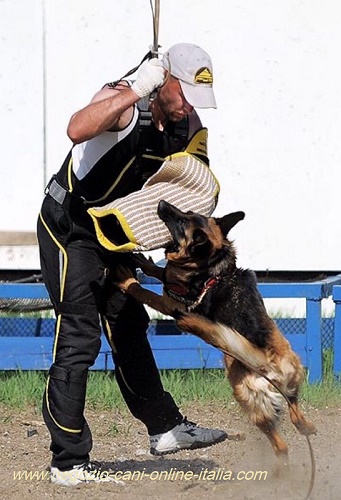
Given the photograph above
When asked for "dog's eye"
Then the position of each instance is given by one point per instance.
(200, 246)
(199, 237)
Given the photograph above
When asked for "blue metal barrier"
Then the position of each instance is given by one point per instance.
(180, 351)
(308, 345)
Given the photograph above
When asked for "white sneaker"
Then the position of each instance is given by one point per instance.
(88, 472)
(186, 435)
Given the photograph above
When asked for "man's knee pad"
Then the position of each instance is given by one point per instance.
(78, 337)
(65, 397)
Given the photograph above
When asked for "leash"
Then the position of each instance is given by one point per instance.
(153, 51)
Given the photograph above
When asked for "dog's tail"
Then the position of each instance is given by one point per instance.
(226, 339)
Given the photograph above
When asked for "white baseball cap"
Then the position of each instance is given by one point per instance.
(193, 67)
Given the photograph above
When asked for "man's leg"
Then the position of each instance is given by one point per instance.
(138, 377)
(70, 273)
(126, 322)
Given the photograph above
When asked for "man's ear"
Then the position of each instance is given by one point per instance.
(227, 222)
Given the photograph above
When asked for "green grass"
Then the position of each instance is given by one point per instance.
(27, 314)
(327, 392)
(25, 388)
(21, 389)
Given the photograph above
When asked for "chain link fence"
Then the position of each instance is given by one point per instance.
(35, 318)
(40, 326)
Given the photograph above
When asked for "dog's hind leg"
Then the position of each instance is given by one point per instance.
(303, 425)
(278, 445)
(277, 442)
(293, 376)
(263, 405)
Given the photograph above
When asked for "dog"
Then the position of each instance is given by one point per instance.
(209, 296)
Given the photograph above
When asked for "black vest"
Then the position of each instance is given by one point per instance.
(126, 166)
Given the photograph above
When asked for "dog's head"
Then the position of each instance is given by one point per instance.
(195, 237)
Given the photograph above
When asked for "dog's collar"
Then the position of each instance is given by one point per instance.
(180, 292)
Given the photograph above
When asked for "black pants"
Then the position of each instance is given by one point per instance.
(77, 272)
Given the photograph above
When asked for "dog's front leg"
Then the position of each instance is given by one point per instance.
(162, 303)
(126, 282)
(224, 338)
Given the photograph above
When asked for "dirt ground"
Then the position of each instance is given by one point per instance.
(225, 471)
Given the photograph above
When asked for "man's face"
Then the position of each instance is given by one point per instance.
(172, 101)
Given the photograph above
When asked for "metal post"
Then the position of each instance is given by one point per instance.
(337, 332)
(314, 340)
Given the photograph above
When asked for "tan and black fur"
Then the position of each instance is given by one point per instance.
(214, 299)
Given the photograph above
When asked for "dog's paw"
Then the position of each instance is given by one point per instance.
(146, 265)
(122, 273)
(306, 428)
(236, 436)
(122, 276)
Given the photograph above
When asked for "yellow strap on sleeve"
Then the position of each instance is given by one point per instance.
(97, 214)
(198, 143)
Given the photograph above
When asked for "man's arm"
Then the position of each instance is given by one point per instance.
(112, 109)
(109, 109)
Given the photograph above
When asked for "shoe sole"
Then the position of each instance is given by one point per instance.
(194, 446)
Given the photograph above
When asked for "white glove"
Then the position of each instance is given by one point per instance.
(150, 76)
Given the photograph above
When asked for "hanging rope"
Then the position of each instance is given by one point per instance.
(156, 21)
(153, 52)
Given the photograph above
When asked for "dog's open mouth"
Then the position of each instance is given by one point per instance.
(171, 216)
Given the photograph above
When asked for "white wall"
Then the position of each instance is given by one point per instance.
(21, 113)
(274, 140)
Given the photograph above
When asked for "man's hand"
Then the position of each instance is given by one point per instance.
(150, 76)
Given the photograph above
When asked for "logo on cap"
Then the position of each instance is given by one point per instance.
(203, 75)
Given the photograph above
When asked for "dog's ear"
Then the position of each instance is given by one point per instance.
(227, 222)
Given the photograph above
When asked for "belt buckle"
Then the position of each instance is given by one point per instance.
(47, 188)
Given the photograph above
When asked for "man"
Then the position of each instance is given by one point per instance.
(107, 161)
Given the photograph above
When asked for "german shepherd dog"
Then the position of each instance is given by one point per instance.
(209, 296)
